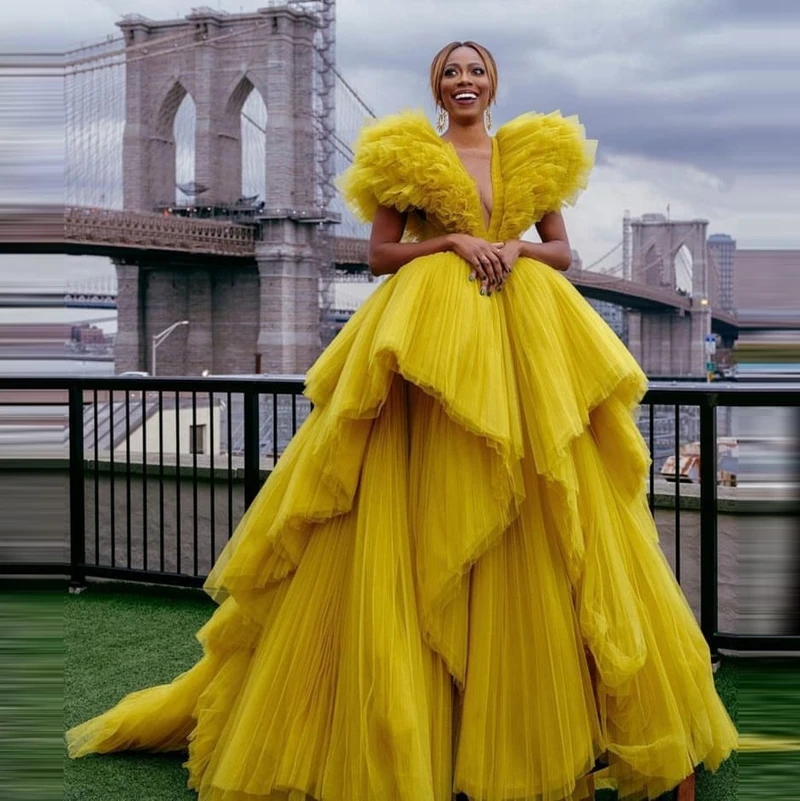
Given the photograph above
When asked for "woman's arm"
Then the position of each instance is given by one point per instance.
(554, 249)
(387, 254)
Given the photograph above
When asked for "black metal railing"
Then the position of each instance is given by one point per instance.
(708, 400)
(148, 501)
(161, 470)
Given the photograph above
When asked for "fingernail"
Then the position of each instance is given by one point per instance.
(483, 291)
(472, 278)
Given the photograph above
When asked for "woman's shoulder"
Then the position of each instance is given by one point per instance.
(545, 161)
(400, 161)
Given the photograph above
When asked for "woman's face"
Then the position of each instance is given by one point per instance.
(465, 86)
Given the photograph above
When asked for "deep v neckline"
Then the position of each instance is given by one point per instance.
(489, 230)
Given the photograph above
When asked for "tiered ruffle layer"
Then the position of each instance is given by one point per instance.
(543, 162)
(451, 581)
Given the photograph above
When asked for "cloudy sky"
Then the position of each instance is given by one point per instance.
(696, 103)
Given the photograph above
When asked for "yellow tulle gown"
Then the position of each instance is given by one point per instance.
(451, 581)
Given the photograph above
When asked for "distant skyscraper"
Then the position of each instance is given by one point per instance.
(613, 315)
(723, 253)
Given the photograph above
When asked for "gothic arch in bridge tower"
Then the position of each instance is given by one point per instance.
(171, 156)
(184, 126)
(660, 245)
(682, 269)
(239, 89)
(166, 99)
(243, 139)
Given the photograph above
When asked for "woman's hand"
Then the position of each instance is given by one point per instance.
(509, 252)
(484, 258)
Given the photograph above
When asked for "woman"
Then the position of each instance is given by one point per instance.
(451, 582)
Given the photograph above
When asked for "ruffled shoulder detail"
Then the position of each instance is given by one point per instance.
(545, 162)
(401, 162)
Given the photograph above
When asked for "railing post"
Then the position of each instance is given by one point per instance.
(708, 523)
(252, 455)
(77, 500)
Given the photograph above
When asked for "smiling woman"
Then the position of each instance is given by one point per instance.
(463, 76)
(451, 581)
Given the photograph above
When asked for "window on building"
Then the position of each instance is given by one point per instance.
(197, 439)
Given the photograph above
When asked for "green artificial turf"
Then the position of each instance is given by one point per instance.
(769, 705)
(119, 640)
(31, 696)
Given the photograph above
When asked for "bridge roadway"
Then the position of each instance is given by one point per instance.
(104, 232)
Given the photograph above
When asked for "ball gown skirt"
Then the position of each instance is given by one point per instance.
(451, 582)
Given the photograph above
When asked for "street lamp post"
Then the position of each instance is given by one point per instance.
(159, 338)
(709, 345)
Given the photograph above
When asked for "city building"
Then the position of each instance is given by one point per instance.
(722, 250)
(131, 424)
(613, 315)
(88, 335)
(767, 282)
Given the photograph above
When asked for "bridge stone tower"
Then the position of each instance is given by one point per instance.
(259, 315)
(671, 255)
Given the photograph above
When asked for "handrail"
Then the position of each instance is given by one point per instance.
(86, 397)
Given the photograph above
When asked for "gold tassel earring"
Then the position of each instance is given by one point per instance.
(487, 115)
(441, 120)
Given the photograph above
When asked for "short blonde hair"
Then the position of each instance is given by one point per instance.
(440, 62)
